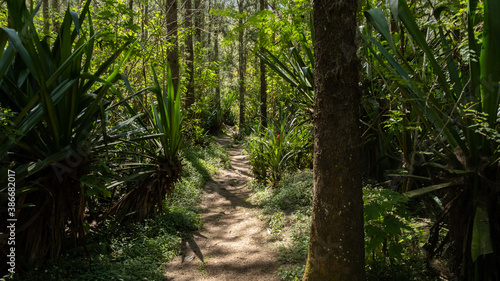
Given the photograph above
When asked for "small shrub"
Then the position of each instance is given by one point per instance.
(292, 273)
(387, 224)
(293, 193)
(276, 225)
(282, 146)
(296, 250)
(138, 251)
(199, 166)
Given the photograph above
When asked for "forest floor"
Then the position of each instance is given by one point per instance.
(233, 243)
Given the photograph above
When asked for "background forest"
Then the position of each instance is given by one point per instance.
(109, 109)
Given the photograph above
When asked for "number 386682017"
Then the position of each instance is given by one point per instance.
(11, 193)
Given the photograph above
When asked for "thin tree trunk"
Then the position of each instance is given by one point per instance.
(131, 8)
(173, 51)
(46, 19)
(216, 58)
(190, 56)
(263, 82)
(144, 32)
(242, 67)
(210, 27)
(55, 18)
(198, 20)
(336, 247)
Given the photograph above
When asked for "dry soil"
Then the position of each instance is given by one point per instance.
(233, 244)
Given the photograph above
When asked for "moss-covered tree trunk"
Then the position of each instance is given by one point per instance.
(336, 247)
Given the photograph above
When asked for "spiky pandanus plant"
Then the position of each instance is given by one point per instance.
(154, 177)
(459, 127)
(55, 100)
(297, 69)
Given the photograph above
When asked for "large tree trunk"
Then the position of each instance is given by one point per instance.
(190, 55)
(173, 52)
(242, 67)
(263, 82)
(336, 247)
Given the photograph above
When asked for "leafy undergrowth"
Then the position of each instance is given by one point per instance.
(139, 251)
(393, 237)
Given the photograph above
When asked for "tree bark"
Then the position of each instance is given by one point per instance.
(216, 58)
(144, 33)
(210, 27)
(263, 82)
(46, 19)
(242, 67)
(55, 18)
(173, 51)
(190, 55)
(198, 20)
(336, 247)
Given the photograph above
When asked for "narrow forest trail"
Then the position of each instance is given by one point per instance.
(233, 243)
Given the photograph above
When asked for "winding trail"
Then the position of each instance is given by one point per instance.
(233, 244)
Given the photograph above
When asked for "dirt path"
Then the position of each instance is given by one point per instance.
(233, 243)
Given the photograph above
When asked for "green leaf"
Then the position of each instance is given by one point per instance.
(425, 190)
(481, 239)
(490, 57)
(377, 18)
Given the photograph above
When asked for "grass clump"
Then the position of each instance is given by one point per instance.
(200, 164)
(292, 273)
(287, 209)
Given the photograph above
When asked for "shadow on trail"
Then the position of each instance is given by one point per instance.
(232, 244)
(190, 243)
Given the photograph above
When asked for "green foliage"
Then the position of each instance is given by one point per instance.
(388, 225)
(57, 98)
(455, 109)
(138, 251)
(166, 117)
(412, 270)
(297, 71)
(283, 145)
(294, 193)
(276, 225)
(124, 252)
(295, 250)
(150, 173)
(200, 164)
(393, 236)
(206, 117)
(292, 273)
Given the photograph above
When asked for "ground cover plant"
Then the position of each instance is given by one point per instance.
(393, 237)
